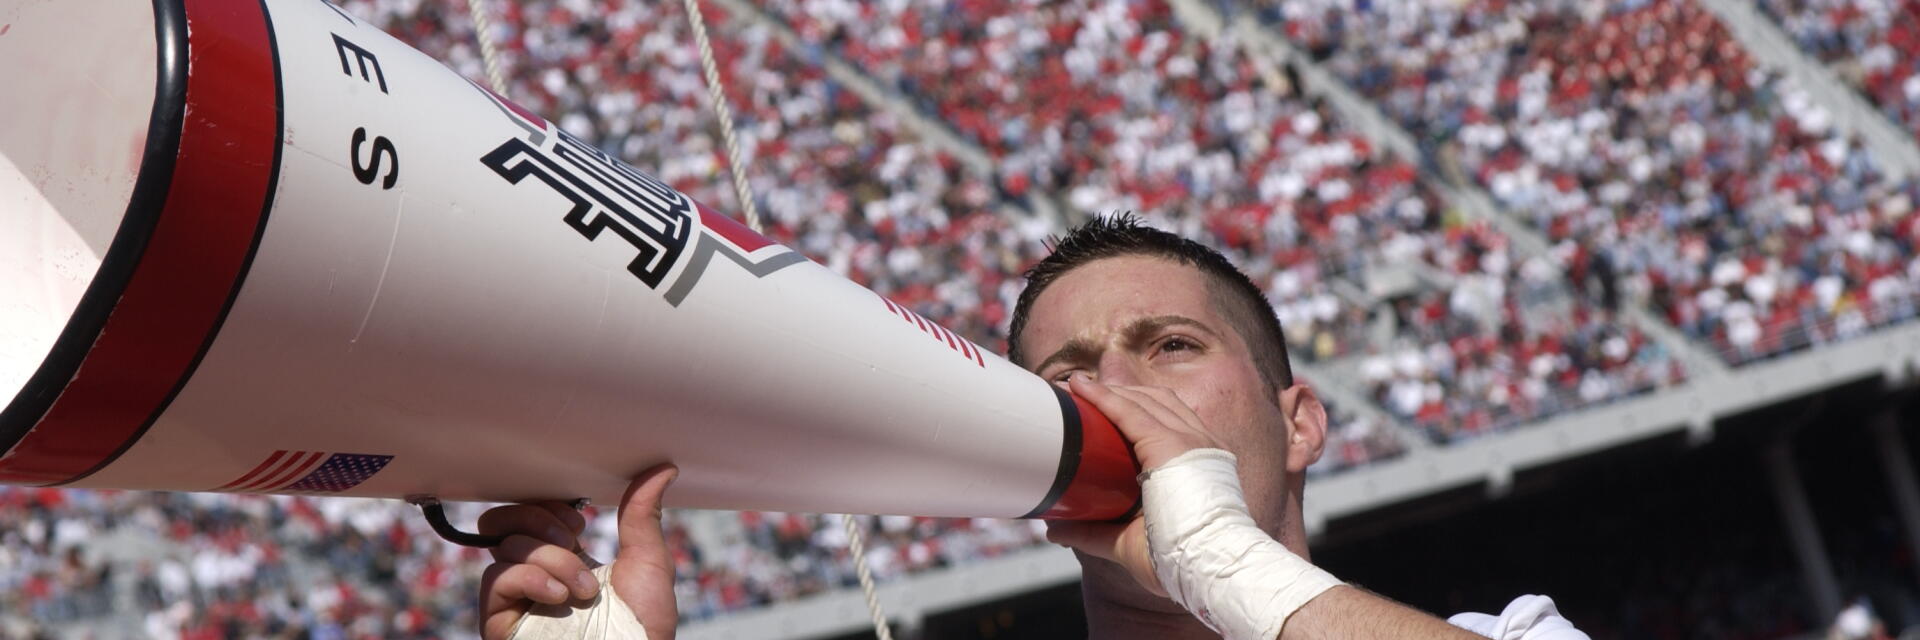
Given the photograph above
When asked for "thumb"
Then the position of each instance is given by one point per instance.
(1097, 539)
(1122, 543)
(643, 567)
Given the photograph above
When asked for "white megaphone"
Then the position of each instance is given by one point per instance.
(261, 246)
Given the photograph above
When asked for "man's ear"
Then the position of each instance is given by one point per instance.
(1307, 423)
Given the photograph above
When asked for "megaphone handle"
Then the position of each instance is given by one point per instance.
(437, 518)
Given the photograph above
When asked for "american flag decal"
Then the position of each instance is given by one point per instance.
(308, 472)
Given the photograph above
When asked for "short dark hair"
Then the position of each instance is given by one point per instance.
(1123, 234)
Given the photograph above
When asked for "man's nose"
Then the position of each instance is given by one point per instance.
(1119, 368)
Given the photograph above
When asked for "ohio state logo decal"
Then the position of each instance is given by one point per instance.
(664, 226)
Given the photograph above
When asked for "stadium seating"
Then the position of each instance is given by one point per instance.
(1640, 138)
(1636, 137)
(836, 179)
(1874, 44)
(1129, 113)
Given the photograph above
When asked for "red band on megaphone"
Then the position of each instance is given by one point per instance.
(1097, 468)
(208, 224)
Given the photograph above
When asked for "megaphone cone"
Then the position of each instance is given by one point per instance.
(270, 249)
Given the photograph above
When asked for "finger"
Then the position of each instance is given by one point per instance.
(1155, 407)
(499, 624)
(1123, 544)
(498, 615)
(1125, 414)
(571, 518)
(1173, 402)
(527, 519)
(1179, 429)
(640, 508)
(1097, 539)
(509, 587)
(562, 564)
(643, 569)
(1131, 544)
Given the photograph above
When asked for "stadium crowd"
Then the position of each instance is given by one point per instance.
(1873, 44)
(200, 565)
(841, 182)
(1503, 345)
(1639, 137)
(1354, 440)
(185, 565)
(1115, 107)
(1701, 184)
(838, 180)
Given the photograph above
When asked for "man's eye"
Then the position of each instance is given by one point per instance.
(1178, 344)
(1062, 376)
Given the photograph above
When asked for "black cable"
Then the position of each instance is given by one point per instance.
(437, 518)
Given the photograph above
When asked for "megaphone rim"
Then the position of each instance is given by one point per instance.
(193, 221)
(130, 239)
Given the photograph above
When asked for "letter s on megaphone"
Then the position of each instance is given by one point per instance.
(278, 251)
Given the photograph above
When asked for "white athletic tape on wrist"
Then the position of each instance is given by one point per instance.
(606, 618)
(1213, 559)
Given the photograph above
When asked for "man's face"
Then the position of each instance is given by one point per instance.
(1149, 321)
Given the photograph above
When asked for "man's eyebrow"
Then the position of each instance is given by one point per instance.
(1140, 330)
(1084, 350)
(1076, 350)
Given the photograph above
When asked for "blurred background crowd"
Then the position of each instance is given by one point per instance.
(1663, 168)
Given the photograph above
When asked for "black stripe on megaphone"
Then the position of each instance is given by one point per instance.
(150, 187)
(253, 246)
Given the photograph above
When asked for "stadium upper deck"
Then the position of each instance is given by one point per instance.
(1642, 138)
(1872, 44)
(1661, 165)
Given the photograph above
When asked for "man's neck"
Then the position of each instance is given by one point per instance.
(1117, 607)
(1122, 622)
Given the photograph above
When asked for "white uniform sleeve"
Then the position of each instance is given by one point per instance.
(606, 618)
(1528, 617)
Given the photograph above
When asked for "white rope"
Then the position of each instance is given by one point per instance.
(717, 92)
(483, 31)
(856, 544)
